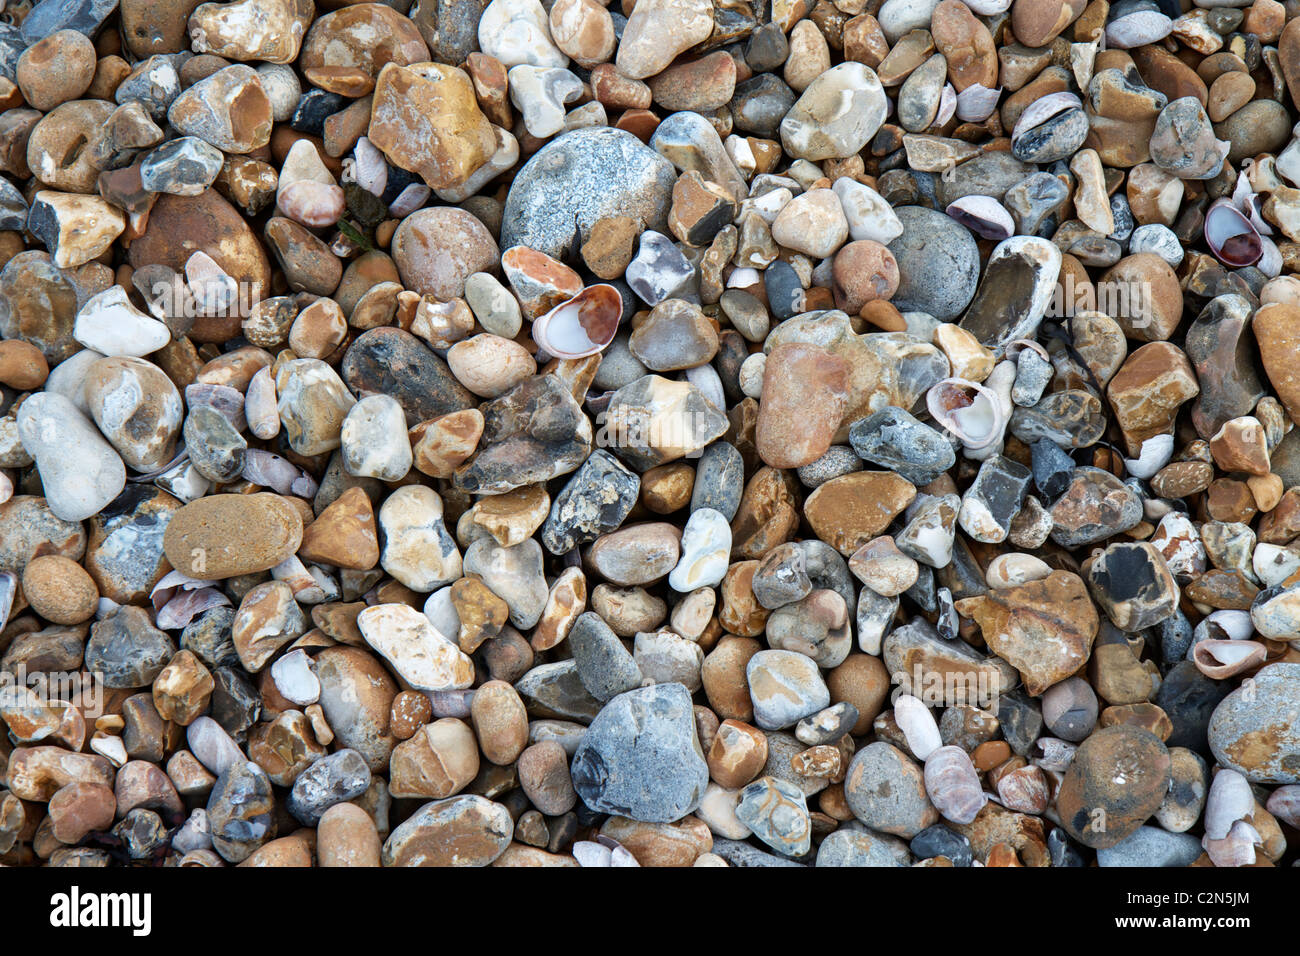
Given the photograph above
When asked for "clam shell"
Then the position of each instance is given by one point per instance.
(968, 410)
(976, 103)
(918, 726)
(1220, 660)
(983, 215)
(947, 106)
(1230, 236)
(953, 785)
(180, 610)
(582, 326)
(1230, 799)
(1231, 624)
(1044, 108)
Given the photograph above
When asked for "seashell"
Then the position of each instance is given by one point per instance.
(619, 854)
(6, 487)
(1016, 346)
(918, 726)
(1270, 258)
(451, 703)
(369, 168)
(1230, 236)
(180, 610)
(953, 785)
(947, 106)
(1024, 790)
(1154, 455)
(582, 326)
(295, 574)
(408, 200)
(8, 589)
(588, 853)
(1245, 197)
(1219, 660)
(977, 102)
(1044, 108)
(1053, 753)
(970, 411)
(1229, 624)
(983, 215)
(328, 586)
(181, 456)
(1284, 803)
(269, 470)
(1235, 849)
(1230, 799)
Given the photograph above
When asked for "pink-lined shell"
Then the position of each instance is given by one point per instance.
(983, 215)
(1230, 235)
(1236, 849)
(1219, 660)
(582, 326)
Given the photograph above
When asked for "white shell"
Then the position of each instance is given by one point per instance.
(1155, 454)
(1220, 660)
(977, 102)
(977, 419)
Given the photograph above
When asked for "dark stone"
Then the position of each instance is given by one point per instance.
(596, 500)
(1189, 698)
(938, 840)
(390, 361)
(895, 439)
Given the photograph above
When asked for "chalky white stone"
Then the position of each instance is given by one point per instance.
(518, 31)
(80, 472)
(868, 214)
(493, 305)
(706, 552)
(540, 93)
(420, 655)
(109, 324)
(375, 442)
(418, 551)
(294, 678)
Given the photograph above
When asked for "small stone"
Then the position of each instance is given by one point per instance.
(785, 687)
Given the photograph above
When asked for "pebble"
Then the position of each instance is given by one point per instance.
(656, 774)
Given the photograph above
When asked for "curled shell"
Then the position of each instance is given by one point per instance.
(583, 325)
(1236, 849)
(184, 607)
(947, 106)
(1228, 624)
(953, 785)
(918, 726)
(1219, 660)
(1024, 790)
(1044, 108)
(968, 410)
(1230, 236)
(977, 102)
(983, 215)
(1270, 259)
(1230, 799)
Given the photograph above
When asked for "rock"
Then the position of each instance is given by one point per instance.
(465, 830)
(777, 813)
(225, 536)
(784, 687)
(1094, 506)
(1132, 584)
(656, 774)
(1117, 780)
(941, 288)
(241, 811)
(837, 114)
(424, 658)
(229, 109)
(1045, 629)
(657, 33)
(885, 791)
(1245, 738)
(80, 472)
(849, 511)
(332, 780)
(566, 188)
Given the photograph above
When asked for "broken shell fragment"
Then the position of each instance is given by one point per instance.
(984, 216)
(968, 410)
(582, 326)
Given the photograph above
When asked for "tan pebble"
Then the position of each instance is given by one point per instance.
(59, 590)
